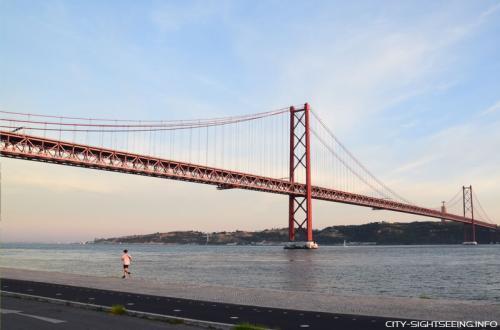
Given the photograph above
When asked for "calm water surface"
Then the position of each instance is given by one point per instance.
(456, 272)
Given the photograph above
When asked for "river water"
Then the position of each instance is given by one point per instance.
(440, 271)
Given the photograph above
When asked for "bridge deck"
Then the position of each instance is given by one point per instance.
(66, 153)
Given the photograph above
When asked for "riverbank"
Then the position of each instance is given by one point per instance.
(375, 233)
(381, 306)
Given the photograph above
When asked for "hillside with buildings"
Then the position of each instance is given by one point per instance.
(379, 233)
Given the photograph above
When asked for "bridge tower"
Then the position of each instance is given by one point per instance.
(468, 206)
(300, 205)
(443, 210)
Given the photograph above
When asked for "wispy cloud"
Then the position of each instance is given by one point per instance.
(377, 67)
(172, 16)
(489, 11)
(494, 108)
(416, 164)
(454, 156)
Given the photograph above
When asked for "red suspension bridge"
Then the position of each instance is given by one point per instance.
(287, 151)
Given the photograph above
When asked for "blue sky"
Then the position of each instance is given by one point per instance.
(411, 87)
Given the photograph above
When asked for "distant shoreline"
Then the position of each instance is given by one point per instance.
(375, 233)
(262, 245)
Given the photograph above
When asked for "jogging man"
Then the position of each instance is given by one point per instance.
(126, 259)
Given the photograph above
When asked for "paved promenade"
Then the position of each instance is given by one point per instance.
(391, 307)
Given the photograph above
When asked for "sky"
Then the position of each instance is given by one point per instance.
(411, 87)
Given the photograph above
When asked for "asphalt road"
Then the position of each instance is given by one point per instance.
(193, 309)
(22, 314)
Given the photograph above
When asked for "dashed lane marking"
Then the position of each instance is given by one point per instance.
(9, 311)
(41, 318)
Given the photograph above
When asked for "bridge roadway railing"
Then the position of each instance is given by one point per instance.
(29, 147)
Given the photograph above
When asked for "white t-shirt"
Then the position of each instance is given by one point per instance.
(126, 259)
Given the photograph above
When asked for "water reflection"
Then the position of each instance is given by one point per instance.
(299, 273)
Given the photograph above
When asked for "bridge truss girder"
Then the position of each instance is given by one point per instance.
(41, 149)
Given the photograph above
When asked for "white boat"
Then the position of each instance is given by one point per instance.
(470, 243)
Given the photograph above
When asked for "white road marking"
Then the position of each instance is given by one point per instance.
(41, 318)
(234, 317)
(304, 325)
(177, 310)
(9, 311)
(130, 304)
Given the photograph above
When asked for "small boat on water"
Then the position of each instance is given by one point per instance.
(470, 243)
